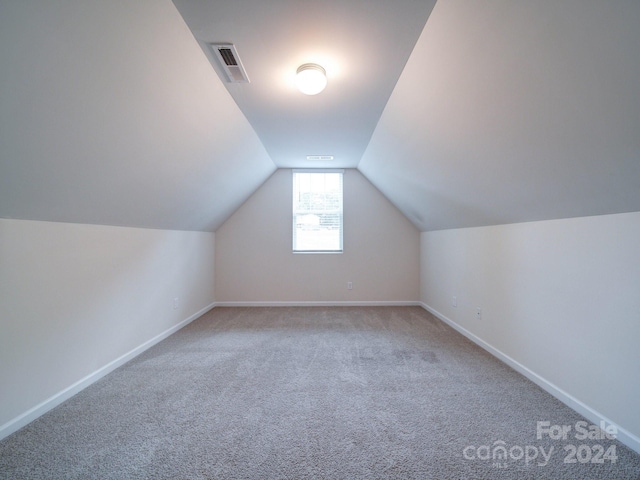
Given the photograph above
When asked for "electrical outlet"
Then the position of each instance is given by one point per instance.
(478, 313)
(175, 303)
(454, 301)
(349, 285)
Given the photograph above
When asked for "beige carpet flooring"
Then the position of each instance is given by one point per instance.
(317, 393)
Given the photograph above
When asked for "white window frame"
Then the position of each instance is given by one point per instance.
(296, 212)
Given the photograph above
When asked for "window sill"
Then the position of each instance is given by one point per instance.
(321, 252)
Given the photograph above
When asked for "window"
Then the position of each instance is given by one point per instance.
(317, 211)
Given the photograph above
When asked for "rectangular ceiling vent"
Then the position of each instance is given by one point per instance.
(319, 157)
(230, 62)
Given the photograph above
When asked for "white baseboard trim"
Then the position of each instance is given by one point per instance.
(372, 303)
(624, 436)
(30, 415)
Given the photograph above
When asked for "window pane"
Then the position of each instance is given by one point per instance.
(317, 211)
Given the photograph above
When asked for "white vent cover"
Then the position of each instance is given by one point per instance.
(230, 62)
(319, 157)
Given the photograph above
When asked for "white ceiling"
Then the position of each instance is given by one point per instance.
(110, 114)
(495, 111)
(512, 111)
(362, 44)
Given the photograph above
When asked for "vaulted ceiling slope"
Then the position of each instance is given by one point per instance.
(111, 114)
(503, 111)
(511, 111)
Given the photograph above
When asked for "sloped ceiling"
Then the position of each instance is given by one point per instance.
(110, 114)
(506, 111)
(511, 111)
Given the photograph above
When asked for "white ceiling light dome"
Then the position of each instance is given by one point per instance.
(311, 78)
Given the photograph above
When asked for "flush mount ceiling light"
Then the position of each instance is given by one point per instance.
(311, 78)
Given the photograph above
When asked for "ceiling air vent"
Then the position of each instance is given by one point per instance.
(230, 62)
(319, 157)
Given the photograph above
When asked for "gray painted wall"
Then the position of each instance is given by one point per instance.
(76, 298)
(255, 263)
(559, 297)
